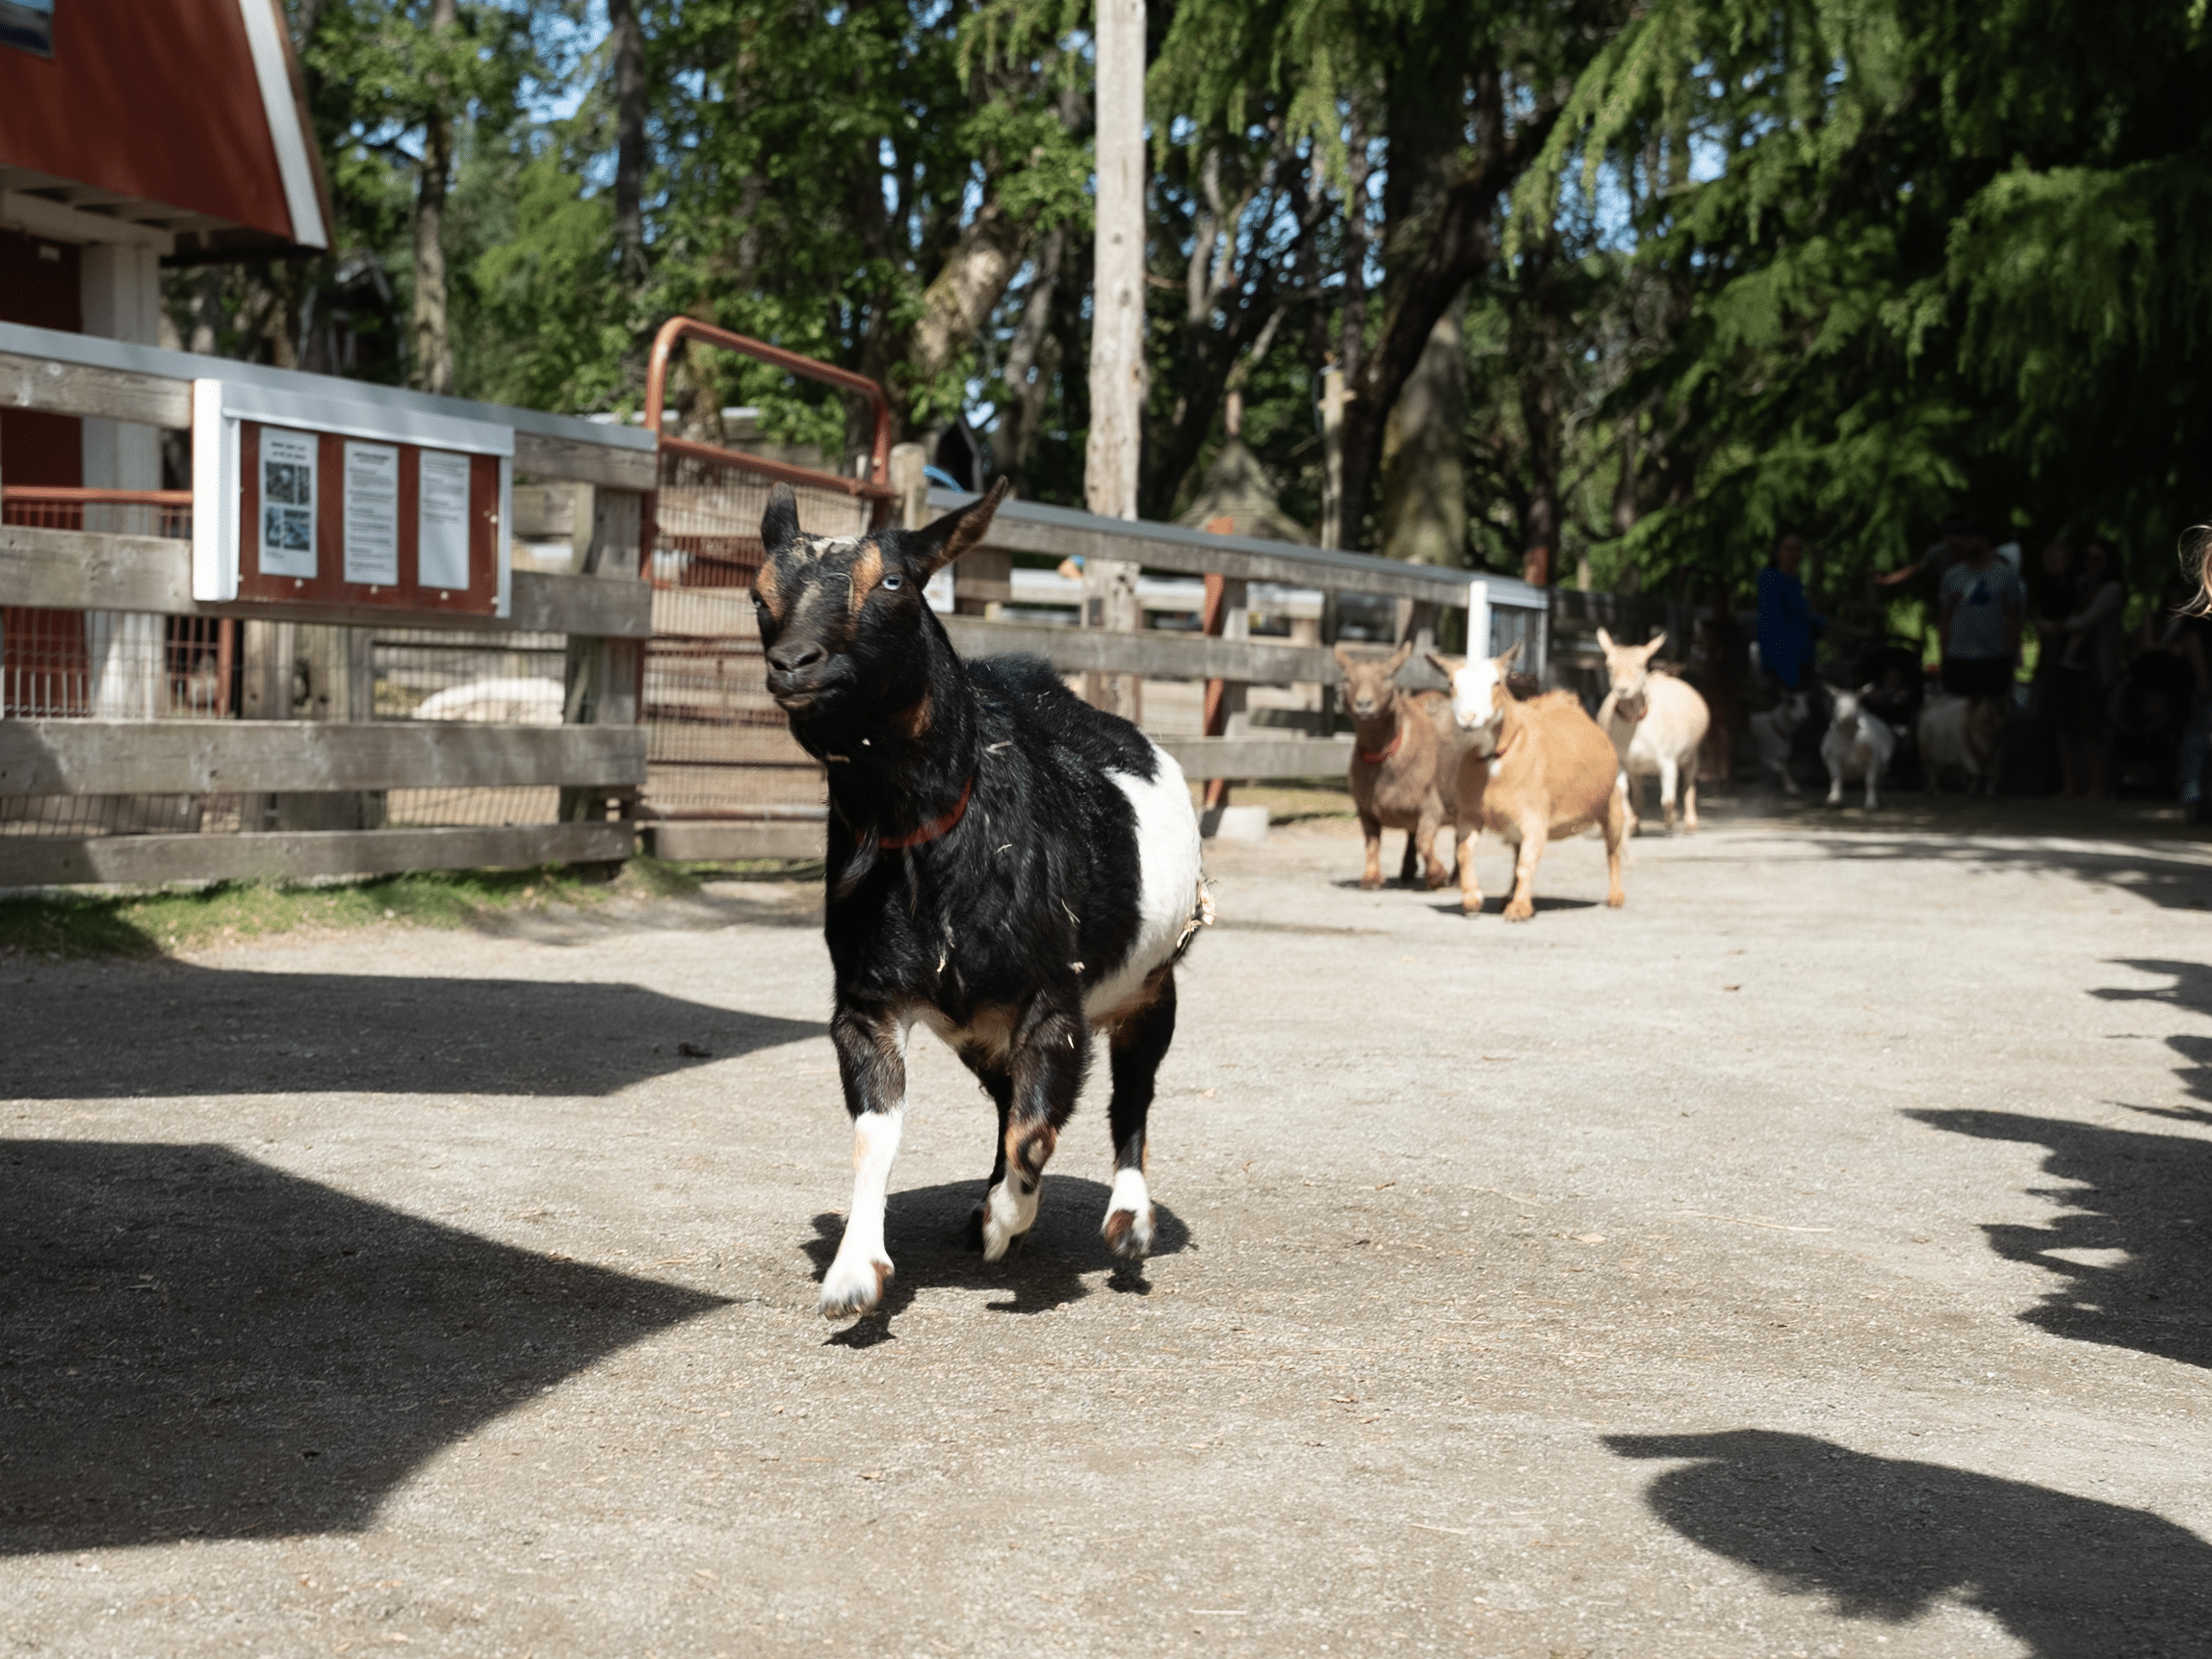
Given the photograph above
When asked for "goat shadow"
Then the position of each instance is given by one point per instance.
(931, 1234)
(1885, 1539)
(1493, 904)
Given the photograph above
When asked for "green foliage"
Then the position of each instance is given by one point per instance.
(1834, 264)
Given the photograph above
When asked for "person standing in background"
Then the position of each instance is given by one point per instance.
(1786, 624)
(1978, 623)
(2087, 647)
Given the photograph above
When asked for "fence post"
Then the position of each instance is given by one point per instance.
(601, 677)
(1227, 616)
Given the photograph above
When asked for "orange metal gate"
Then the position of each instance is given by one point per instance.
(717, 746)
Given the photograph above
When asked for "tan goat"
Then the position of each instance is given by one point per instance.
(1532, 770)
(1405, 752)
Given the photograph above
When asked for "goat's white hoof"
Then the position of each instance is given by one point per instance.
(850, 1288)
(1127, 1225)
(1127, 1233)
(1007, 1214)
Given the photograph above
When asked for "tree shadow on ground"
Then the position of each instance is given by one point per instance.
(2146, 1196)
(933, 1240)
(195, 1344)
(1885, 1539)
(2143, 1203)
(2171, 880)
(207, 1032)
(2191, 990)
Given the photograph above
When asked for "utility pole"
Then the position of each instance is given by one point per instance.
(1117, 333)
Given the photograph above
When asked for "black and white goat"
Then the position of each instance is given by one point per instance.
(1006, 865)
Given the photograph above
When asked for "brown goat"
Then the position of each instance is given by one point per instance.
(1405, 753)
(1533, 770)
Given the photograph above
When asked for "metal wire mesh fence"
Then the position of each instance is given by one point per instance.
(716, 745)
(80, 665)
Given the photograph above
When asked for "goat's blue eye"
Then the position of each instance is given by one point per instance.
(893, 582)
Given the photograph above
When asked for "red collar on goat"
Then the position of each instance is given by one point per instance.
(929, 832)
(1398, 737)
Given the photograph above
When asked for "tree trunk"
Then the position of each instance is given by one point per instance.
(1535, 349)
(629, 39)
(430, 339)
(1031, 358)
(977, 274)
(1117, 327)
(1436, 267)
(1425, 472)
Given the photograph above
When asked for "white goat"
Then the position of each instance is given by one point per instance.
(1774, 734)
(1962, 734)
(1657, 723)
(1859, 743)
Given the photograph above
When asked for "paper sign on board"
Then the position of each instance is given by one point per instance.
(442, 550)
(287, 503)
(371, 514)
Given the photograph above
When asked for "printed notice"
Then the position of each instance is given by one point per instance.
(287, 502)
(442, 559)
(372, 514)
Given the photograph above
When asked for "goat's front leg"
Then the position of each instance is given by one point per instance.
(872, 1062)
(1433, 872)
(1050, 1053)
(1371, 873)
(1534, 832)
(1470, 888)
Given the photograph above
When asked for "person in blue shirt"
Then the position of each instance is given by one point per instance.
(1786, 624)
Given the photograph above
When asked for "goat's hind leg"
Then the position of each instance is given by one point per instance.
(872, 1062)
(999, 1083)
(1140, 1043)
(1051, 1054)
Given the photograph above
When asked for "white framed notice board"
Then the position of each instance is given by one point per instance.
(311, 500)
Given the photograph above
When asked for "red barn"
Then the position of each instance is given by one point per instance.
(135, 132)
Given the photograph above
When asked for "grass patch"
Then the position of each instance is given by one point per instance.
(1291, 800)
(73, 926)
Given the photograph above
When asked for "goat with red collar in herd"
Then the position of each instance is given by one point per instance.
(1006, 865)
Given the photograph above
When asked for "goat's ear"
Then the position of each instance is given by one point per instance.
(1447, 666)
(1398, 658)
(1509, 657)
(1343, 658)
(779, 525)
(934, 546)
(1605, 640)
(1652, 644)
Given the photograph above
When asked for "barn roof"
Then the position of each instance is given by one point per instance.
(179, 124)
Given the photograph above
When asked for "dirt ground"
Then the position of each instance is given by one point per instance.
(1814, 1257)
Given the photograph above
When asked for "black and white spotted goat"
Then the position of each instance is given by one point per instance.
(1007, 865)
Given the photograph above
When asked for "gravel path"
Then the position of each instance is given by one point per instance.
(1814, 1257)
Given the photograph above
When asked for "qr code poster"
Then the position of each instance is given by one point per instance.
(287, 502)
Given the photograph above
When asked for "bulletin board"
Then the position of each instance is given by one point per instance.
(320, 502)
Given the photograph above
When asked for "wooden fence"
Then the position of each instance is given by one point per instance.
(588, 772)
(1222, 661)
(663, 722)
